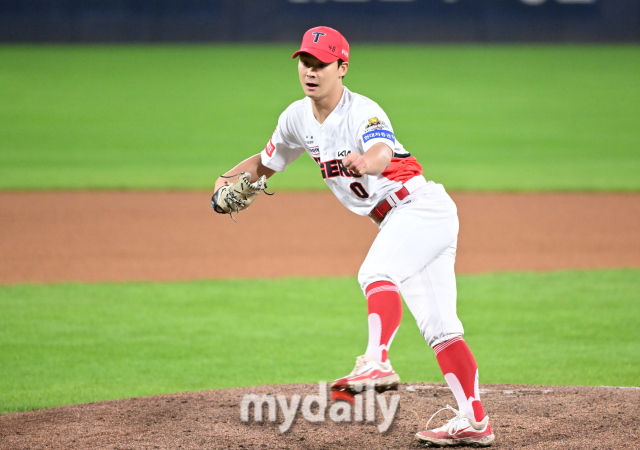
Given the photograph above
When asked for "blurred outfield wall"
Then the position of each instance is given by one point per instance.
(286, 20)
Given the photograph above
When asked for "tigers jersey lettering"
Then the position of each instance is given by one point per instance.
(355, 125)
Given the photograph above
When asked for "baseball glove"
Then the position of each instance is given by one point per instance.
(239, 195)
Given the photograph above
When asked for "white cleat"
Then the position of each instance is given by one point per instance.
(458, 431)
(368, 373)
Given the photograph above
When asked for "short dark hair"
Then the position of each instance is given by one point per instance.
(340, 61)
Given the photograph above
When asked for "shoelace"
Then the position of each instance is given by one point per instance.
(449, 425)
(232, 200)
(360, 364)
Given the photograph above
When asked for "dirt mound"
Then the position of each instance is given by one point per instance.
(536, 417)
(118, 236)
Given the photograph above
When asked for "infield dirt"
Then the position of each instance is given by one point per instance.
(53, 237)
(532, 417)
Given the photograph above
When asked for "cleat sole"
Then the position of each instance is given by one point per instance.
(343, 396)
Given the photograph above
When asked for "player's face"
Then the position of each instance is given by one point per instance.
(319, 79)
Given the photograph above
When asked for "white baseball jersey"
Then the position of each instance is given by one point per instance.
(416, 246)
(355, 125)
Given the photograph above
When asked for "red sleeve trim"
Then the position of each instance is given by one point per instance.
(402, 169)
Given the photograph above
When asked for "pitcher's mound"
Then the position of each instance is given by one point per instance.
(536, 417)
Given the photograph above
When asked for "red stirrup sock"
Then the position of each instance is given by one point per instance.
(385, 312)
(461, 372)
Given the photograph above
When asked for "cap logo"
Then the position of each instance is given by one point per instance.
(317, 35)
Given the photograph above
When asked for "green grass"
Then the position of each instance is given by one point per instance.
(71, 343)
(175, 117)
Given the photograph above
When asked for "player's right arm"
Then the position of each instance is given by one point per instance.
(373, 162)
(252, 165)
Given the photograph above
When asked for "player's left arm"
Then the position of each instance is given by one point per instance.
(252, 166)
(373, 162)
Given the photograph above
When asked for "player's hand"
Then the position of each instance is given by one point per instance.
(356, 163)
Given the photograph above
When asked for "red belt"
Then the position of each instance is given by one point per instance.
(379, 212)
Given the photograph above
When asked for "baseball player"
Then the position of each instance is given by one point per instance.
(359, 157)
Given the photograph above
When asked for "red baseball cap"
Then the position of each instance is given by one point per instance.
(325, 43)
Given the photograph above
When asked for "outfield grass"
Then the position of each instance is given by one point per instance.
(175, 117)
(72, 343)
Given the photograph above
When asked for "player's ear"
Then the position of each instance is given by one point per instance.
(342, 70)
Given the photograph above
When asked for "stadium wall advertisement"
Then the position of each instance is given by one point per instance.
(286, 20)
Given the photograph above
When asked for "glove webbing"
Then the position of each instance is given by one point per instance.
(231, 199)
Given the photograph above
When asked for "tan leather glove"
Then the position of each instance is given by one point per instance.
(239, 195)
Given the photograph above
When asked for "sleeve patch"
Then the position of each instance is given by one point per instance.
(375, 124)
(270, 147)
(382, 134)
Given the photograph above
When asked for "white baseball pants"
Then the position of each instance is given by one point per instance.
(416, 250)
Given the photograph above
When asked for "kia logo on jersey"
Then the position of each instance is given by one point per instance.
(343, 153)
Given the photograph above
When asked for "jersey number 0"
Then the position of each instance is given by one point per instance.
(359, 190)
